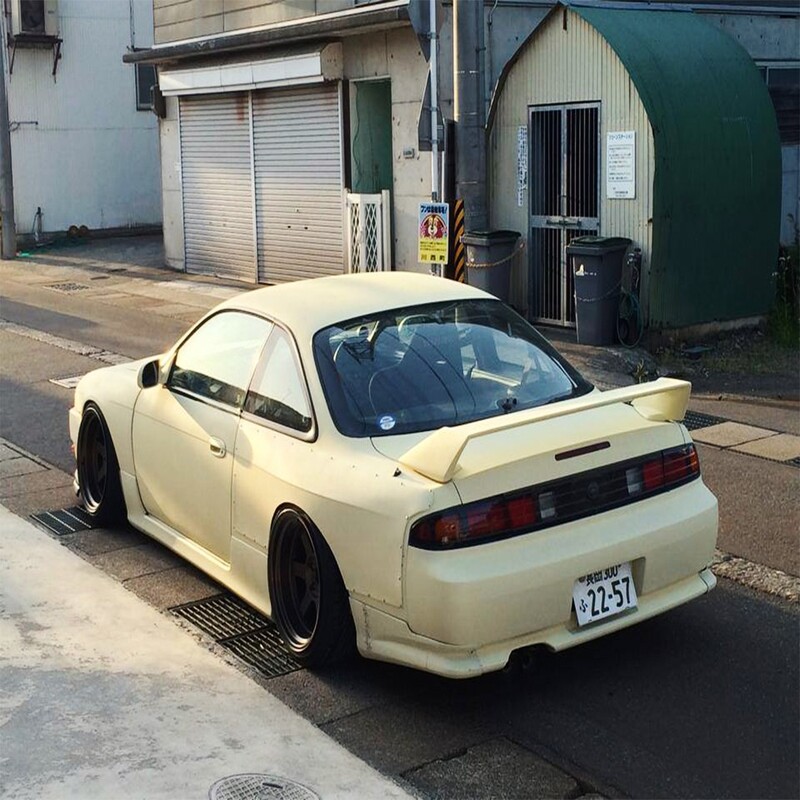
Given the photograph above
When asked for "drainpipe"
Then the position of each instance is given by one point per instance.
(469, 101)
(9, 239)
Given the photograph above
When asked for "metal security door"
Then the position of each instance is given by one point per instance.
(217, 184)
(565, 202)
(297, 152)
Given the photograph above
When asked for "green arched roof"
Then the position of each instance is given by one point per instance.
(717, 182)
(716, 194)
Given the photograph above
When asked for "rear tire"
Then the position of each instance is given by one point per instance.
(309, 601)
(98, 469)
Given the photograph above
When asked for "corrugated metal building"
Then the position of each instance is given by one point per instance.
(647, 124)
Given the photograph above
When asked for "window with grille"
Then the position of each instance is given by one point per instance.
(145, 81)
(783, 83)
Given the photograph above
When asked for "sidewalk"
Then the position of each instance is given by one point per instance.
(103, 696)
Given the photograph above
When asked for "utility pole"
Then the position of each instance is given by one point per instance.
(468, 69)
(434, 101)
(9, 239)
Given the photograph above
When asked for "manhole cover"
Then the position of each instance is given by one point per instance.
(67, 287)
(694, 420)
(254, 786)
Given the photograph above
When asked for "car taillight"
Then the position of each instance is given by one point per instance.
(670, 467)
(542, 506)
(476, 521)
(680, 464)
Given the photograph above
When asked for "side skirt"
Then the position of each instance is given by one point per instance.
(245, 575)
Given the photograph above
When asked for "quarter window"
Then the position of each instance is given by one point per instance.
(218, 359)
(278, 391)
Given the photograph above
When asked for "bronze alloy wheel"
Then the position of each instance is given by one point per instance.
(98, 470)
(309, 601)
(297, 578)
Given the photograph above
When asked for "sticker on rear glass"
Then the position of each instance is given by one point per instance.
(387, 422)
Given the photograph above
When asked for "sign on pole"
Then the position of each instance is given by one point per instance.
(433, 233)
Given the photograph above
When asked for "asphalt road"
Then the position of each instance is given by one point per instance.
(701, 702)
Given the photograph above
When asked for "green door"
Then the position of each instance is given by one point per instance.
(371, 136)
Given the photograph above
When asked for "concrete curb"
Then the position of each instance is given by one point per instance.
(757, 576)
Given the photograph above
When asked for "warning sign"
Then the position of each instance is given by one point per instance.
(433, 233)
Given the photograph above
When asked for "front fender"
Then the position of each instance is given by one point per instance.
(114, 391)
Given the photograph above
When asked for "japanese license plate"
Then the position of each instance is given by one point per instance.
(604, 593)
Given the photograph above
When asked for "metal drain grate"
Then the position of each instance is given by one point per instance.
(253, 786)
(222, 616)
(65, 521)
(242, 630)
(694, 420)
(264, 650)
(68, 287)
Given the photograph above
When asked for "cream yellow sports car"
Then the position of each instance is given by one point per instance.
(402, 464)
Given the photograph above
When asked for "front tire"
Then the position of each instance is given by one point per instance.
(309, 601)
(98, 469)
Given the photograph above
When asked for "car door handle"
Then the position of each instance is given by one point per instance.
(217, 447)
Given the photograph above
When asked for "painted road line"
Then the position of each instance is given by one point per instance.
(66, 383)
(90, 351)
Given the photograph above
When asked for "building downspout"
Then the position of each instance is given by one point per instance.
(9, 238)
(469, 102)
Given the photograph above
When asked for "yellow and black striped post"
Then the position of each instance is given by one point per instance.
(458, 260)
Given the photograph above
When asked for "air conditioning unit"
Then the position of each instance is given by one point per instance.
(34, 18)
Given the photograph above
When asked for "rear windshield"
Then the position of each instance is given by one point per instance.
(422, 367)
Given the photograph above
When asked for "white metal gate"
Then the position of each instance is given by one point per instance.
(297, 152)
(369, 238)
(217, 186)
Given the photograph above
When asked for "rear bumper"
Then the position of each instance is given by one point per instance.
(388, 638)
(502, 590)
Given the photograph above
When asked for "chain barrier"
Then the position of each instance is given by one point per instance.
(610, 293)
(519, 247)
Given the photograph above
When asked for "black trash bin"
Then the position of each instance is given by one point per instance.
(597, 269)
(490, 255)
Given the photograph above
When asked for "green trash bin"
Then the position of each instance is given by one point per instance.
(490, 256)
(597, 269)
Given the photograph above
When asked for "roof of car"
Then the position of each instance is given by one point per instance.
(309, 305)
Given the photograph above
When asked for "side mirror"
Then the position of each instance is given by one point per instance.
(148, 375)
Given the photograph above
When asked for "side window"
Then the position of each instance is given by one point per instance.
(278, 391)
(218, 359)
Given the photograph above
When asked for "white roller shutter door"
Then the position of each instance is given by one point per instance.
(217, 180)
(298, 170)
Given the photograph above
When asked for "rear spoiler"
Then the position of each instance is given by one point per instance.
(436, 457)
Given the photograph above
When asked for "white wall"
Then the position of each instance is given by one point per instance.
(80, 149)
